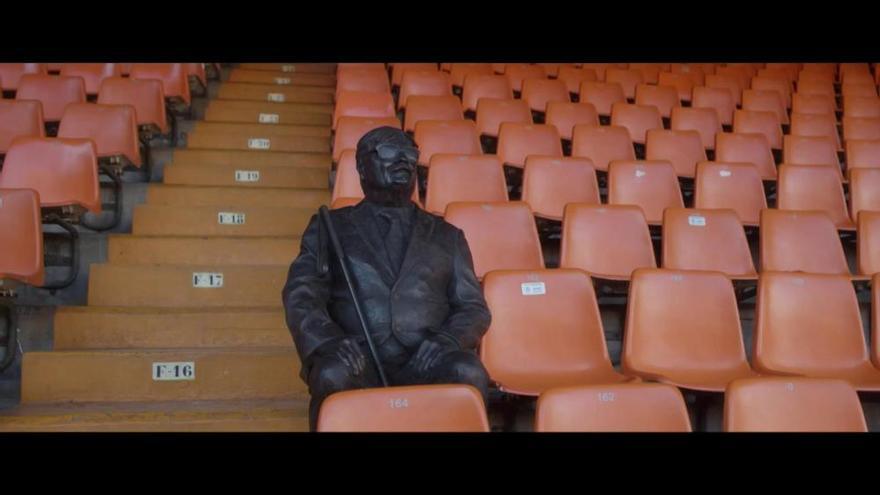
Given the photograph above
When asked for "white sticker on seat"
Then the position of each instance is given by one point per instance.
(269, 118)
(247, 176)
(282, 80)
(533, 289)
(259, 144)
(207, 280)
(606, 396)
(696, 220)
(288, 68)
(227, 218)
(276, 97)
(641, 173)
(725, 173)
(163, 372)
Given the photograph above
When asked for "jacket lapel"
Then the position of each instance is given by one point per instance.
(365, 226)
(423, 226)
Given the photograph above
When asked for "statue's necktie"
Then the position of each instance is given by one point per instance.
(393, 238)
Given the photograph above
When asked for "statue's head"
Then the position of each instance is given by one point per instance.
(386, 163)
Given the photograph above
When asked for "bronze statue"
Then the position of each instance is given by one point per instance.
(413, 275)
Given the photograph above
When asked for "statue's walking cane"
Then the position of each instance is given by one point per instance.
(343, 262)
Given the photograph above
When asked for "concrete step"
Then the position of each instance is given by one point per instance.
(289, 415)
(258, 143)
(208, 221)
(183, 286)
(290, 67)
(248, 177)
(267, 113)
(247, 160)
(128, 375)
(131, 249)
(250, 196)
(85, 327)
(280, 78)
(276, 93)
(270, 130)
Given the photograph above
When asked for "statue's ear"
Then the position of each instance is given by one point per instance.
(359, 165)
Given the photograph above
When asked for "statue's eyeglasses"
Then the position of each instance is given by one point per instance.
(395, 152)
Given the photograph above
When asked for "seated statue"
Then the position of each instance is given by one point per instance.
(413, 276)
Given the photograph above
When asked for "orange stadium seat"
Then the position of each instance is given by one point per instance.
(93, 74)
(362, 104)
(792, 404)
(484, 86)
(423, 83)
(113, 129)
(546, 332)
(175, 83)
(671, 315)
(803, 187)
(630, 407)
(736, 186)
(21, 236)
(756, 122)
(64, 172)
(19, 118)
(703, 120)
(54, 92)
(665, 98)
(491, 113)
(638, 119)
(606, 241)
(718, 99)
(684, 149)
(800, 241)
(602, 144)
(458, 177)
(10, 74)
(419, 408)
(431, 108)
(566, 115)
(517, 141)
(446, 136)
(539, 92)
(145, 96)
(746, 148)
(650, 185)
(501, 236)
(551, 182)
(809, 324)
(702, 239)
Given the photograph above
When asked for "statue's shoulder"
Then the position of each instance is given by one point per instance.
(344, 212)
(439, 225)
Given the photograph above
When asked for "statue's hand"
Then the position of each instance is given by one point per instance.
(350, 353)
(429, 352)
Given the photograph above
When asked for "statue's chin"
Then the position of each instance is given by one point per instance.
(394, 195)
